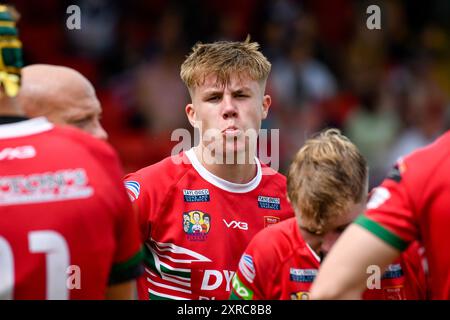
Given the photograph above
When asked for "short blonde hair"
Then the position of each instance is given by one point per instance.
(328, 174)
(223, 58)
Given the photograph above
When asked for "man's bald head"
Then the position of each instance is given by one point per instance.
(63, 95)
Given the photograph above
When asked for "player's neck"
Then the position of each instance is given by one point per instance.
(235, 173)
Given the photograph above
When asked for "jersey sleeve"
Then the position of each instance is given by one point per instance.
(250, 281)
(127, 264)
(414, 265)
(140, 202)
(390, 211)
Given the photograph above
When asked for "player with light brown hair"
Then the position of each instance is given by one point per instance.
(327, 187)
(232, 194)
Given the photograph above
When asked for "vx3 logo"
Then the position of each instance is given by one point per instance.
(236, 224)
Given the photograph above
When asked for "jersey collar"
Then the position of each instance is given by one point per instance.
(24, 128)
(313, 252)
(221, 183)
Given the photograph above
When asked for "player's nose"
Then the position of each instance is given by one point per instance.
(229, 109)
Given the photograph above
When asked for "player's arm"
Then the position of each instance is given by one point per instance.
(121, 291)
(344, 273)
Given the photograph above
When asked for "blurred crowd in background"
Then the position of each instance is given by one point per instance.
(388, 89)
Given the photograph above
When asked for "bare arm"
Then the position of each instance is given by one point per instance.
(121, 291)
(343, 275)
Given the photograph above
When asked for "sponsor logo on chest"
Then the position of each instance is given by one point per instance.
(393, 271)
(269, 203)
(201, 195)
(302, 275)
(236, 224)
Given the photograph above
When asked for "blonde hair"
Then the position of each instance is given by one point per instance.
(223, 58)
(328, 174)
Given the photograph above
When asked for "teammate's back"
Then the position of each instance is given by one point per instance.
(66, 229)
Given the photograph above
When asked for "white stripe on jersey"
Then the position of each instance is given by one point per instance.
(167, 286)
(168, 296)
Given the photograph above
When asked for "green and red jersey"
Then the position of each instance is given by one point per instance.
(279, 265)
(413, 204)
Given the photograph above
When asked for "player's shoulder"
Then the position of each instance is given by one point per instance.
(166, 172)
(170, 167)
(422, 164)
(432, 154)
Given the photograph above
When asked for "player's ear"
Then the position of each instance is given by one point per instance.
(190, 112)
(267, 101)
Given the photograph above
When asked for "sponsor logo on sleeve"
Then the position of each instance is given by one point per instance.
(196, 225)
(269, 203)
(247, 267)
(201, 195)
(302, 275)
(241, 290)
(133, 188)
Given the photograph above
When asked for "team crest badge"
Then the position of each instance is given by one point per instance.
(302, 295)
(196, 225)
(270, 220)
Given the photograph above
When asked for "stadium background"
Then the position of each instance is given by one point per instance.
(388, 89)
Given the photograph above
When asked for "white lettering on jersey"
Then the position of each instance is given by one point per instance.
(22, 152)
(61, 185)
(213, 279)
(236, 224)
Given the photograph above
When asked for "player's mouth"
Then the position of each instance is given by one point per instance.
(231, 131)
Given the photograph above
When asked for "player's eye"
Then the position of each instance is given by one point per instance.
(213, 98)
(81, 123)
(312, 231)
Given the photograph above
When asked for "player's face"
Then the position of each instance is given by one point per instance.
(81, 109)
(228, 114)
(322, 241)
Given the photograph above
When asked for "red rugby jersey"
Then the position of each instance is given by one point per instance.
(279, 265)
(412, 204)
(66, 225)
(196, 225)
